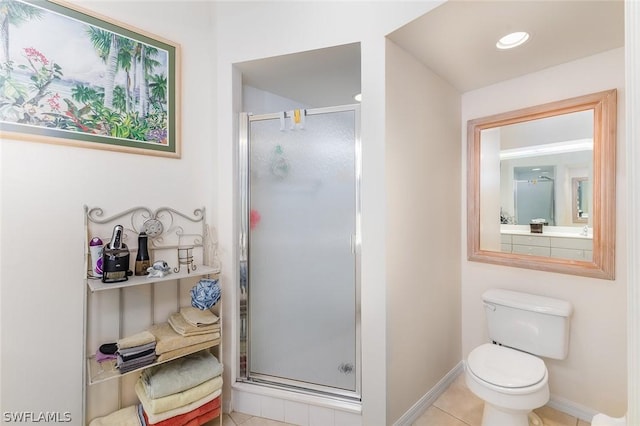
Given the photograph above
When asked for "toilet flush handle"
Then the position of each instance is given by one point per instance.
(490, 307)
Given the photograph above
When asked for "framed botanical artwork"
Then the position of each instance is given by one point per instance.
(72, 77)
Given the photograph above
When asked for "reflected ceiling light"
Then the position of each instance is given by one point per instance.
(512, 40)
(547, 149)
(358, 97)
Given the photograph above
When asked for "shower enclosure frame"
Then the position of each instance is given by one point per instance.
(243, 285)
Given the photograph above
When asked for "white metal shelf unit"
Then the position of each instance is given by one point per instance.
(107, 314)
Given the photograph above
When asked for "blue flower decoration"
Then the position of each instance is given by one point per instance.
(205, 294)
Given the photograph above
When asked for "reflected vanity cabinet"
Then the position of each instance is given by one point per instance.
(547, 246)
(121, 309)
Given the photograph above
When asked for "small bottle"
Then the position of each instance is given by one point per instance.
(142, 259)
(95, 249)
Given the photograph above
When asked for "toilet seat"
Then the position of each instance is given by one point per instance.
(505, 367)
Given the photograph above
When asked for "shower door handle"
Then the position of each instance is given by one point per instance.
(243, 246)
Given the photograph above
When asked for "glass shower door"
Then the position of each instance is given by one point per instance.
(534, 199)
(301, 269)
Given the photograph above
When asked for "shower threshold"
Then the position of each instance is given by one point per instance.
(344, 400)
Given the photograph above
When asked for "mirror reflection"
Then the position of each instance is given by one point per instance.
(539, 162)
(541, 186)
(580, 199)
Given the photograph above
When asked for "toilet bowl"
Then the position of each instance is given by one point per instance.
(507, 373)
(511, 383)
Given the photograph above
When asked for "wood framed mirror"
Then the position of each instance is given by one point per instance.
(521, 165)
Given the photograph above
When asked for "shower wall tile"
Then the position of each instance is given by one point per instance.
(342, 418)
(320, 416)
(272, 408)
(291, 412)
(296, 413)
(247, 403)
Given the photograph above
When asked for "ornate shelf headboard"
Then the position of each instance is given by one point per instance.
(166, 228)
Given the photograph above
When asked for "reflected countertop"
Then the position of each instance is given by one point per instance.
(547, 231)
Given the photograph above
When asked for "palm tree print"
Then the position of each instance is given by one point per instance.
(13, 13)
(158, 87)
(127, 99)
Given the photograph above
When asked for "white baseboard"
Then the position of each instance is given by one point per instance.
(430, 397)
(571, 408)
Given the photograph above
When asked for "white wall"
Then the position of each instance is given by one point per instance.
(594, 374)
(632, 60)
(422, 168)
(44, 188)
(256, 101)
(245, 34)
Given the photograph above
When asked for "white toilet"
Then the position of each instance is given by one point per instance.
(507, 374)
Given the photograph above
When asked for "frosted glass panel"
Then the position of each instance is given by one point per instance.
(534, 200)
(302, 292)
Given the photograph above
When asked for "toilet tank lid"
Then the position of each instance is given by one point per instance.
(529, 302)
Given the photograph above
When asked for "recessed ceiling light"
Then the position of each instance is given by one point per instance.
(512, 40)
(358, 97)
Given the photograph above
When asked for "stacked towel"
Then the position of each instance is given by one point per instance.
(136, 351)
(180, 374)
(185, 391)
(134, 340)
(129, 416)
(195, 417)
(184, 328)
(170, 344)
(197, 317)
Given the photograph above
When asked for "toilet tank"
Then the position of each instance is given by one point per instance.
(535, 324)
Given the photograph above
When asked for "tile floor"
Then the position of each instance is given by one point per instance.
(457, 406)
